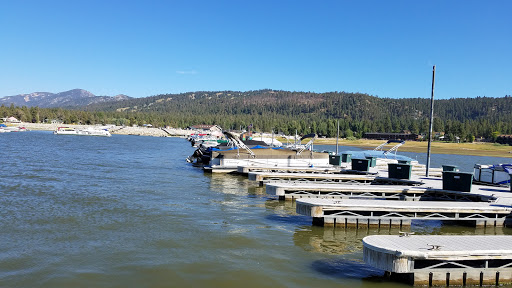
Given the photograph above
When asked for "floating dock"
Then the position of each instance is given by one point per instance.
(289, 169)
(293, 191)
(442, 260)
(431, 188)
(263, 177)
(380, 213)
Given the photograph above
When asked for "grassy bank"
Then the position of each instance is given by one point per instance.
(475, 149)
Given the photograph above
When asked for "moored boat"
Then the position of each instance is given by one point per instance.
(252, 152)
(498, 174)
(82, 132)
(4, 129)
(64, 131)
(93, 132)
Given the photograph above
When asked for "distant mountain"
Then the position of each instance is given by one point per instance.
(67, 99)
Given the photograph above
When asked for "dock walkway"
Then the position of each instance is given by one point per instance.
(431, 189)
(293, 191)
(442, 260)
(262, 177)
(379, 213)
(288, 169)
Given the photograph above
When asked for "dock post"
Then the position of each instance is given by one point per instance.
(431, 118)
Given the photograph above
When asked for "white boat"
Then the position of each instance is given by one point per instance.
(94, 132)
(498, 174)
(82, 132)
(207, 139)
(224, 159)
(65, 131)
(12, 129)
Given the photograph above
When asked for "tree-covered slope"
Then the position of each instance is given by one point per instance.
(306, 112)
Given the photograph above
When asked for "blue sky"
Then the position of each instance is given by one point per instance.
(144, 48)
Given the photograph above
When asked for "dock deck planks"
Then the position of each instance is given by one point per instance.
(289, 169)
(261, 177)
(350, 212)
(442, 260)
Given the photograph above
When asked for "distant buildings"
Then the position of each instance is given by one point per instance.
(504, 139)
(10, 120)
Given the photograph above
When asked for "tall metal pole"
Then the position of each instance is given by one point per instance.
(431, 117)
(337, 135)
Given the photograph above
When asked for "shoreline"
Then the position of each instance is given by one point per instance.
(115, 130)
(471, 149)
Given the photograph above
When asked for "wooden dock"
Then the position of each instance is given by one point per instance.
(378, 213)
(430, 189)
(442, 260)
(293, 191)
(263, 177)
(289, 169)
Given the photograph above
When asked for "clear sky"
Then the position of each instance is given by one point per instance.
(147, 47)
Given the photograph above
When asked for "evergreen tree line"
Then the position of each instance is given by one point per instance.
(288, 112)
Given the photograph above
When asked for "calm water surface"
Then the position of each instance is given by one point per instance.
(128, 211)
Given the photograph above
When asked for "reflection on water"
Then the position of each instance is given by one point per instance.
(281, 207)
(340, 241)
(234, 184)
(343, 268)
(332, 240)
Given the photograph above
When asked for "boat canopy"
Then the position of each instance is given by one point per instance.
(501, 167)
(234, 148)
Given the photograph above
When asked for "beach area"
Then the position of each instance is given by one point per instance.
(474, 149)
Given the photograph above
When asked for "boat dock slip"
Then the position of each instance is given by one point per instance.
(288, 169)
(442, 260)
(431, 189)
(293, 191)
(363, 213)
(310, 177)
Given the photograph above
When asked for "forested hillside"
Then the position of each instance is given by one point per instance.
(290, 111)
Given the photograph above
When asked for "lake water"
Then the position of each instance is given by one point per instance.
(128, 211)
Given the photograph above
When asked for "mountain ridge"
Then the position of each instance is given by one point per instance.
(66, 99)
(286, 111)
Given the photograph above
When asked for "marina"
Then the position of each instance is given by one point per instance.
(255, 144)
(141, 230)
(376, 193)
